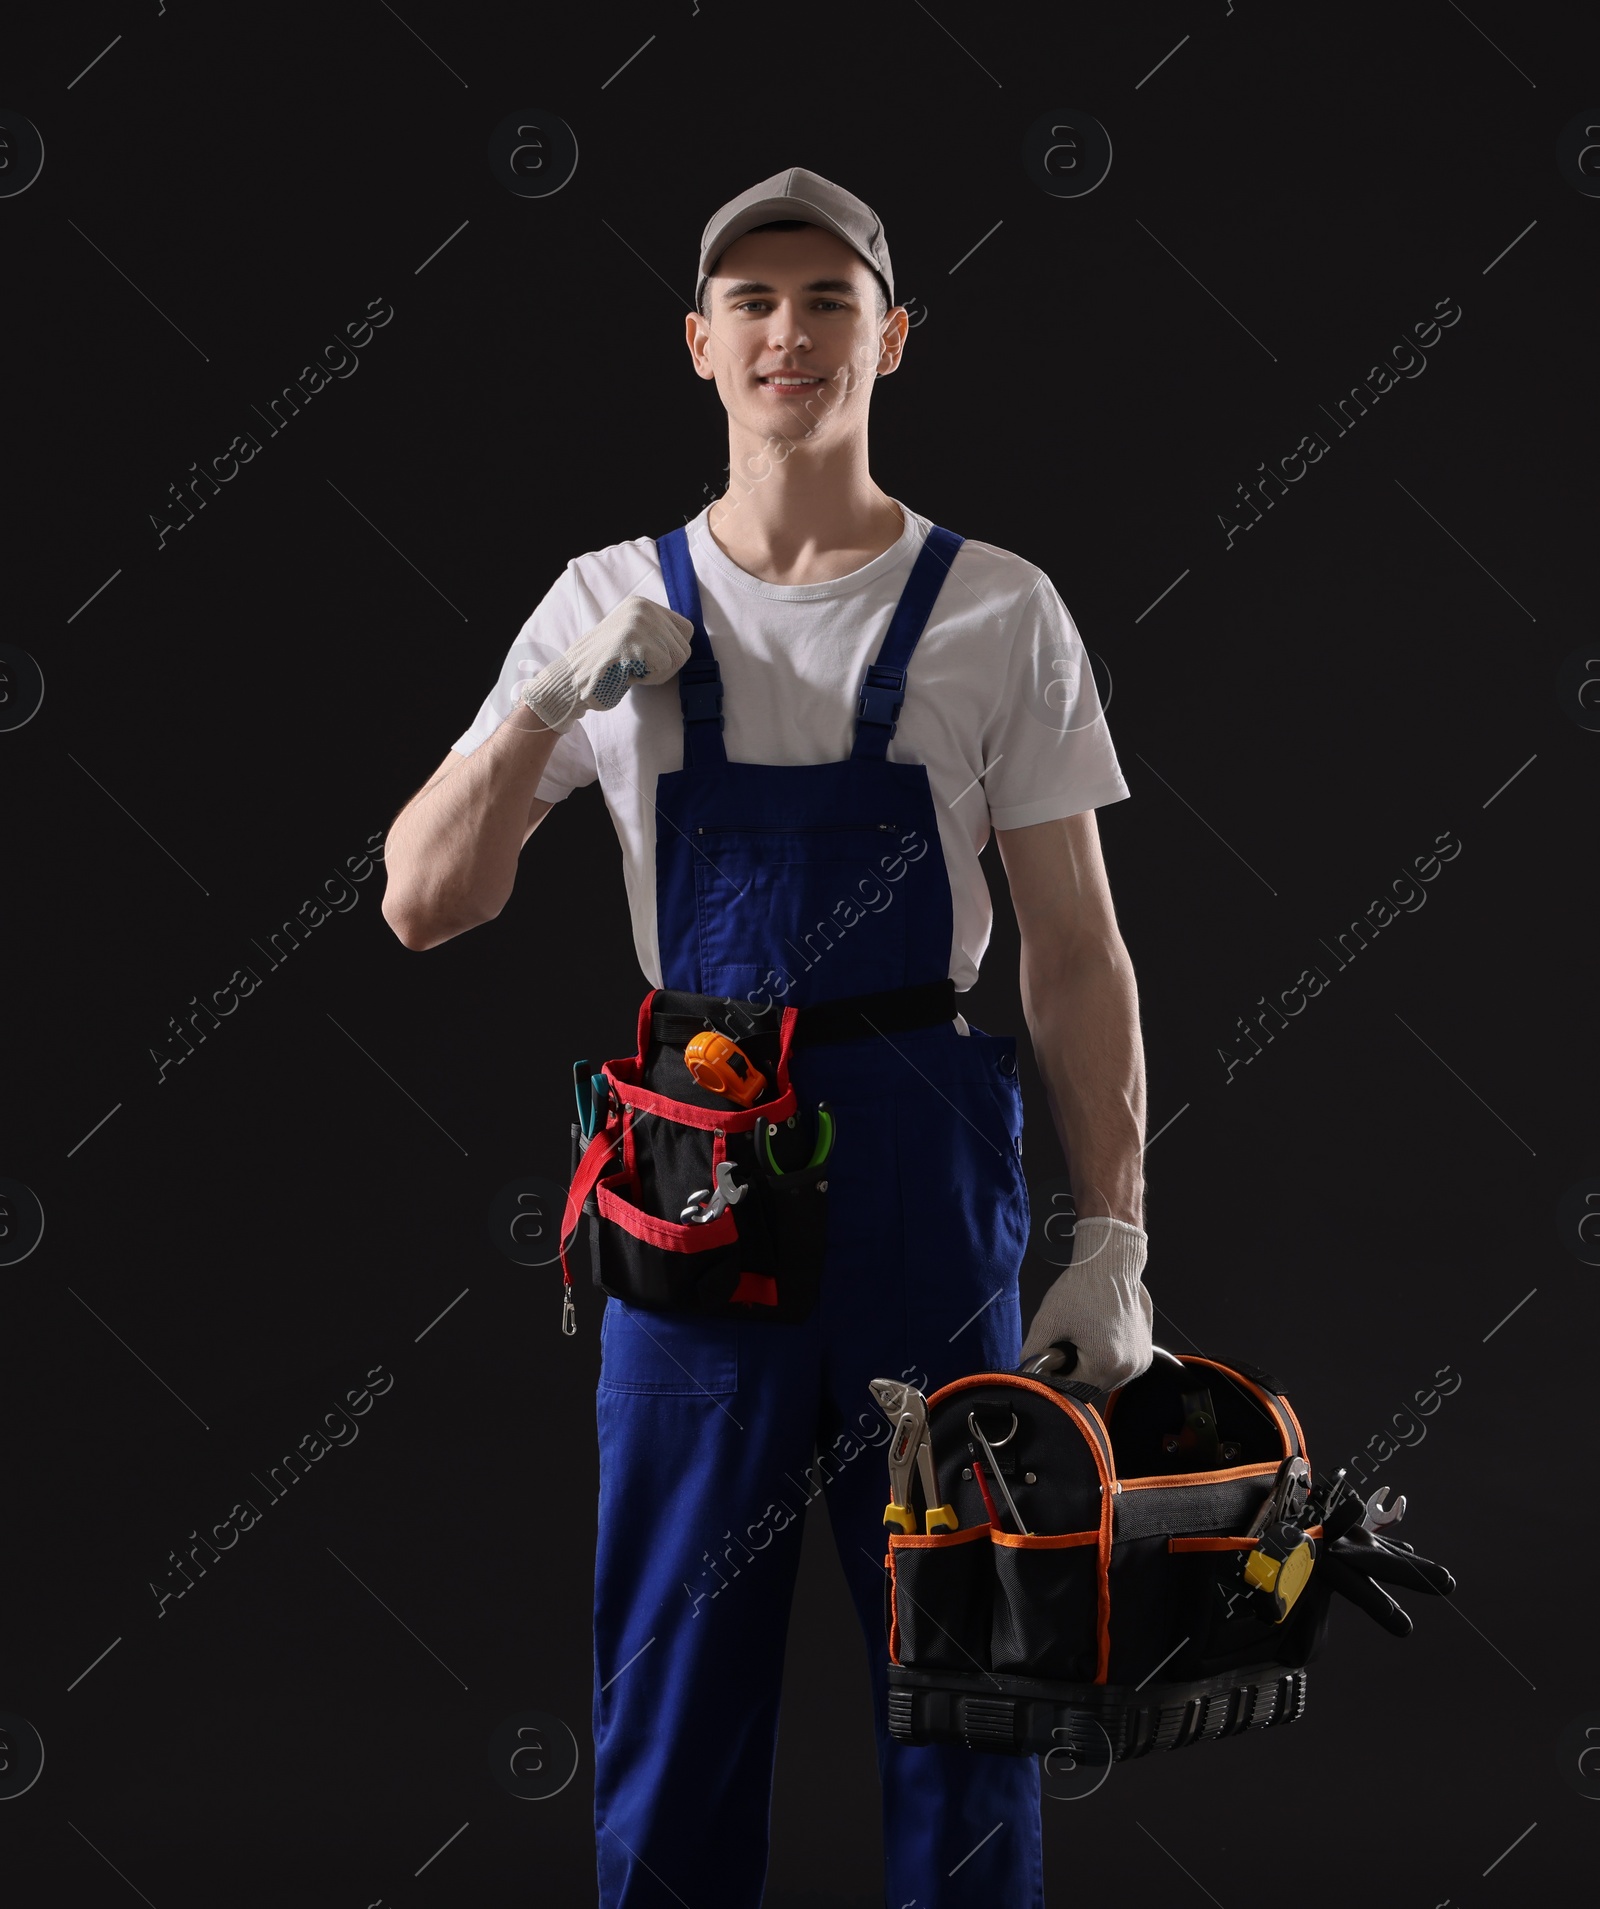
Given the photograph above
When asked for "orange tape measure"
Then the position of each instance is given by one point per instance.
(722, 1067)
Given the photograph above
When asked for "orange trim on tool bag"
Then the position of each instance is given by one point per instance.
(1277, 1408)
(1304, 1453)
(1047, 1541)
(1092, 1427)
(938, 1540)
(1264, 1470)
(918, 1541)
(1227, 1544)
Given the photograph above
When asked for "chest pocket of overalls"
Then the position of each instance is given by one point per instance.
(773, 903)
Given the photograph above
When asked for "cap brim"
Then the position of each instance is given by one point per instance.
(764, 213)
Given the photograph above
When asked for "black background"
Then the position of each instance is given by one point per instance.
(234, 715)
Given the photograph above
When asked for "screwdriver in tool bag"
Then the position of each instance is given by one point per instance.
(989, 1504)
(994, 1466)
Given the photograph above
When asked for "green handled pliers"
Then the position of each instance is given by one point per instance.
(821, 1148)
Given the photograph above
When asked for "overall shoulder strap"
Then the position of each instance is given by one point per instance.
(884, 689)
(700, 680)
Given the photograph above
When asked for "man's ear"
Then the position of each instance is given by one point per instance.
(892, 339)
(697, 335)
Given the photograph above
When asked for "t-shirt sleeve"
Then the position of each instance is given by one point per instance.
(554, 626)
(1047, 742)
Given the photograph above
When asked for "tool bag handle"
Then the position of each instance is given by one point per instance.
(1052, 1366)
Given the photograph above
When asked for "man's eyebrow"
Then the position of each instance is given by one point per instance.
(743, 288)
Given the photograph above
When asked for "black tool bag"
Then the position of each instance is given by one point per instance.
(658, 1142)
(1123, 1623)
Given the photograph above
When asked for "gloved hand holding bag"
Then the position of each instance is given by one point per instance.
(1100, 1304)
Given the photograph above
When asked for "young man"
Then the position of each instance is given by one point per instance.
(850, 680)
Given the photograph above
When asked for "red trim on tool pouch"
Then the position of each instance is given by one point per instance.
(599, 1150)
(624, 1080)
(627, 1079)
(672, 1236)
(729, 1119)
(647, 1009)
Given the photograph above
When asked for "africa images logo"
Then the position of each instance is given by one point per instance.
(1406, 360)
(338, 360)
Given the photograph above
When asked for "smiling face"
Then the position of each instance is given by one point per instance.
(793, 336)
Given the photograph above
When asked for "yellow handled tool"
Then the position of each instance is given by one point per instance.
(1280, 1565)
(907, 1411)
(1281, 1561)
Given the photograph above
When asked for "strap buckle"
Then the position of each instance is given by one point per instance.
(700, 692)
(881, 696)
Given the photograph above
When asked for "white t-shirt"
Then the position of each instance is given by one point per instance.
(1000, 704)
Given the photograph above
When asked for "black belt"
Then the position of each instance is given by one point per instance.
(677, 1017)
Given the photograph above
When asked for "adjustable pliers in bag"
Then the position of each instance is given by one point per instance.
(907, 1411)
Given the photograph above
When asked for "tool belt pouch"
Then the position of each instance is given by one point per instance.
(1122, 1616)
(760, 1257)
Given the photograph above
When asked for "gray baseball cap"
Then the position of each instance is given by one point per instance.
(797, 194)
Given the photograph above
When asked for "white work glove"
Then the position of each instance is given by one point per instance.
(1100, 1304)
(639, 642)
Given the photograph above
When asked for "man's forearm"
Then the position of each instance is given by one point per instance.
(1082, 1011)
(451, 853)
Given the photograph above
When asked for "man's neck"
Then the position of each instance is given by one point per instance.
(813, 517)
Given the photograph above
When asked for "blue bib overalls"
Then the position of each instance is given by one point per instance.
(799, 885)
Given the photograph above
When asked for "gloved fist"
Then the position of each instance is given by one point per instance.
(638, 642)
(1100, 1304)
